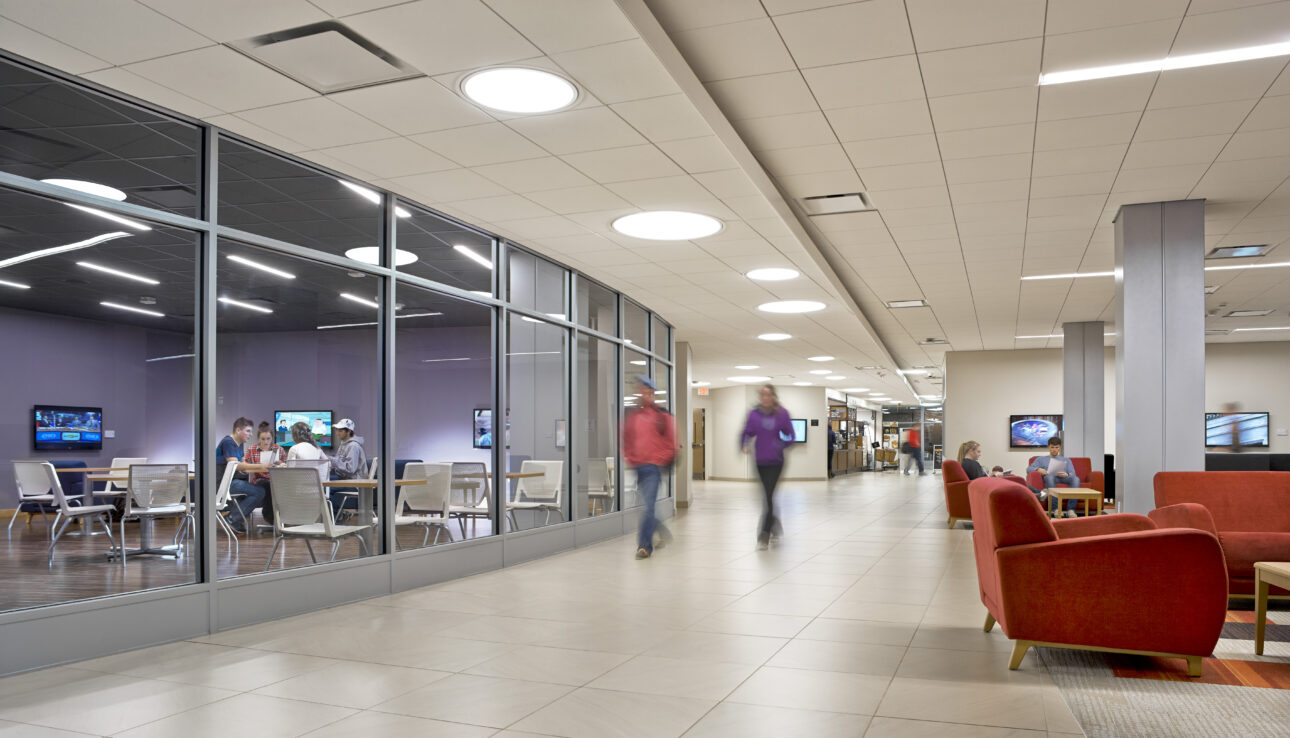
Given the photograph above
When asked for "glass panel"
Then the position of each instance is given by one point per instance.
(635, 324)
(444, 385)
(537, 284)
(636, 365)
(99, 375)
(50, 129)
(537, 429)
(597, 307)
(663, 398)
(297, 354)
(271, 196)
(444, 251)
(662, 338)
(596, 413)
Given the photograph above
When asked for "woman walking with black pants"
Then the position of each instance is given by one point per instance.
(767, 427)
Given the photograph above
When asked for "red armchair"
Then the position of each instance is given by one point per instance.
(956, 490)
(1249, 512)
(1088, 479)
(1047, 584)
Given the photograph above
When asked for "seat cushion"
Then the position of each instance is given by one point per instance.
(1242, 550)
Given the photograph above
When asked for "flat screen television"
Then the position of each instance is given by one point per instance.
(799, 431)
(1032, 431)
(482, 430)
(1253, 428)
(64, 428)
(319, 422)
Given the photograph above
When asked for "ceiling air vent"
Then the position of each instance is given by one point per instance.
(931, 341)
(327, 57)
(847, 202)
(1216, 331)
(1237, 252)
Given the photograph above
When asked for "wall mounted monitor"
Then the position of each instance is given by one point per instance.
(319, 422)
(66, 428)
(799, 431)
(1032, 431)
(1253, 429)
(482, 435)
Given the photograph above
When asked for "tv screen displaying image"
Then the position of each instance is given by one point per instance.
(1032, 431)
(1253, 429)
(63, 428)
(483, 429)
(799, 431)
(319, 422)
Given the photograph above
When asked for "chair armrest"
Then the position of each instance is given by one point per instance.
(1184, 515)
(1015, 478)
(1097, 481)
(1102, 525)
(1151, 590)
(1035, 479)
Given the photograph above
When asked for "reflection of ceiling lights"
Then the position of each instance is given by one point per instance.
(15, 285)
(360, 300)
(876, 395)
(116, 272)
(246, 305)
(821, 371)
(473, 255)
(109, 216)
(774, 336)
(116, 306)
(834, 377)
(667, 225)
(89, 188)
(911, 372)
(638, 362)
(1249, 313)
(819, 358)
(1237, 252)
(257, 265)
(519, 90)
(1248, 266)
(1270, 328)
(1182, 61)
(372, 255)
(773, 274)
(356, 325)
(373, 197)
(61, 249)
(856, 389)
(746, 367)
(791, 306)
(1068, 275)
(747, 378)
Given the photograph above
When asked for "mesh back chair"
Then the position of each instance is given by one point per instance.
(425, 504)
(35, 491)
(66, 511)
(538, 493)
(301, 510)
(156, 491)
(222, 496)
(114, 488)
(472, 477)
(600, 485)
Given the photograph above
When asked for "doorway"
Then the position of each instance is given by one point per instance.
(699, 470)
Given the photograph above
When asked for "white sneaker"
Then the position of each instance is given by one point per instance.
(1068, 514)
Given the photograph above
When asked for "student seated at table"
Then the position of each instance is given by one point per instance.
(304, 447)
(349, 462)
(267, 453)
(248, 496)
(1057, 470)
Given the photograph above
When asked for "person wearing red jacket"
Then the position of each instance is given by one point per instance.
(649, 446)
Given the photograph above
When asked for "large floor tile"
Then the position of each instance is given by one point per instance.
(854, 658)
(859, 631)
(753, 624)
(884, 727)
(239, 669)
(556, 665)
(726, 647)
(812, 690)
(709, 680)
(386, 725)
(352, 684)
(245, 716)
(760, 721)
(94, 705)
(978, 667)
(1000, 705)
(477, 700)
(22, 730)
(596, 713)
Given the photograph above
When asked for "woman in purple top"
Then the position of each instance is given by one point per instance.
(767, 427)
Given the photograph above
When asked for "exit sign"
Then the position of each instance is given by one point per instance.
(701, 391)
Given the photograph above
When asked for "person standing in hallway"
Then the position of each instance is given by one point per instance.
(913, 450)
(767, 426)
(833, 444)
(649, 447)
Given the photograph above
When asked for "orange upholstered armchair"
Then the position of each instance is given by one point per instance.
(957, 506)
(1088, 479)
(1046, 582)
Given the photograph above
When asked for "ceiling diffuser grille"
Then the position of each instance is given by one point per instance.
(327, 56)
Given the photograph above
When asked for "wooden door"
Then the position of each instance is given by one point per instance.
(699, 471)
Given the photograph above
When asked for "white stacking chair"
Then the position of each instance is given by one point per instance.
(372, 466)
(478, 509)
(29, 471)
(34, 488)
(426, 504)
(156, 491)
(222, 496)
(538, 493)
(111, 488)
(301, 510)
(600, 485)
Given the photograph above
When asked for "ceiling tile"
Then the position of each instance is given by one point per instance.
(1269, 113)
(619, 165)
(867, 82)
(502, 207)
(1095, 97)
(697, 155)
(992, 141)
(663, 118)
(1258, 144)
(984, 109)
(223, 78)
(847, 33)
(805, 159)
(1220, 83)
(684, 14)
(888, 151)
(945, 24)
(1071, 184)
(533, 229)
(412, 106)
(881, 121)
(447, 186)
(391, 157)
(1065, 16)
(987, 168)
(1095, 130)
(230, 20)
(823, 183)
(578, 130)
(786, 131)
(256, 133)
(117, 31)
(119, 79)
(1200, 150)
(727, 183)
(618, 72)
(41, 48)
(926, 174)
(532, 175)
(762, 96)
(741, 49)
(650, 193)
(317, 122)
(479, 145)
(1260, 24)
(1119, 44)
(981, 68)
(564, 25)
(439, 36)
(584, 199)
(907, 198)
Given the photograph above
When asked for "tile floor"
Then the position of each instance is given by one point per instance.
(865, 621)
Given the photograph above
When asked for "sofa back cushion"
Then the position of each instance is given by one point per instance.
(1238, 501)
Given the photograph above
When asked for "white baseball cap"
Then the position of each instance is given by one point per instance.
(345, 423)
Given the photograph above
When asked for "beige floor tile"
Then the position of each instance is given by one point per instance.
(882, 611)
(352, 684)
(477, 700)
(853, 658)
(706, 680)
(246, 716)
(223, 667)
(827, 691)
(1059, 717)
(555, 665)
(859, 631)
(22, 730)
(94, 705)
(37, 681)
(884, 727)
(961, 639)
(752, 623)
(979, 667)
(385, 725)
(724, 647)
(759, 721)
(768, 604)
(1001, 705)
(595, 713)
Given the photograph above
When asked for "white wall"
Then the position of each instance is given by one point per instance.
(1254, 375)
(728, 411)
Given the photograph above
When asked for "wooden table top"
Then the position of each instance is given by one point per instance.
(510, 475)
(92, 469)
(1074, 493)
(369, 483)
(116, 477)
(1275, 568)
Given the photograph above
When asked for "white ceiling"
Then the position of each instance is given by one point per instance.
(738, 109)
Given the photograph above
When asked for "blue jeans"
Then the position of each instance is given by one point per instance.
(253, 499)
(647, 481)
(1070, 480)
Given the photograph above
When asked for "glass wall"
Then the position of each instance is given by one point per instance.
(438, 249)
(597, 307)
(635, 325)
(537, 284)
(635, 364)
(596, 440)
(661, 335)
(537, 426)
(663, 398)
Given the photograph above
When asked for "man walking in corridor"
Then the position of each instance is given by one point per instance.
(649, 446)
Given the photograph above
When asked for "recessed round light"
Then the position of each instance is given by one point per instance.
(774, 336)
(89, 188)
(747, 378)
(791, 306)
(773, 274)
(819, 358)
(821, 371)
(667, 225)
(746, 367)
(519, 90)
(372, 255)
(801, 384)
(835, 377)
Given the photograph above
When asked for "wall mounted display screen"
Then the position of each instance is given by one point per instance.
(62, 428)
(799, 431)
(483, 433)
(1253, 428)
(319, 422)
(1032, 431)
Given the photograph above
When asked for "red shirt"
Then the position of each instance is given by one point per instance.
(915, 438)
(252, 456)
(649, 437)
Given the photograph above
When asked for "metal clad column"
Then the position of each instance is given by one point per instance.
(1084, 390)
(1159, 346)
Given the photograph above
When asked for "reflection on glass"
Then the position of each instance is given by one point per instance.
(636, 324)
(537, 284)
(297, 355)
(99, 376)
(662, 338)
(597, 307)
(444, 385)
(663, 398)
(436, 248)
(636, 365)
(596, 410)
(536, 424)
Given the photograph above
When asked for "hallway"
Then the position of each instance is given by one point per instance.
(865, 620)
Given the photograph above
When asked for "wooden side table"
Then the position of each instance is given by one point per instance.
(1058, 495)
(1266, 573)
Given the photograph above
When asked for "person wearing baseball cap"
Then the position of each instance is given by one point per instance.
(349, 462)
(649, 446)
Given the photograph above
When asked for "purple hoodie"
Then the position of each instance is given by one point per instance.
(765, 429)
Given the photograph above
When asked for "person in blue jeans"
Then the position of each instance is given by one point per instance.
(247, 496)
(649, 446)
(1057, 470)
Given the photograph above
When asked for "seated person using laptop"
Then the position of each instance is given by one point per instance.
(1057, 470)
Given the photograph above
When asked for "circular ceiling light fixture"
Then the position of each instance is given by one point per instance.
(791, 306)
(821, 371)
(89, 188)
(819, 358)
(372, 255)
(667, 225)
(747, 378)
(519, 90)
(746, 367)
(773, 274)
(774, 336)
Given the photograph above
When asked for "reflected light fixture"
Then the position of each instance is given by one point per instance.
(1184, 61)
(746, 367)
(641, 362)
(773, 274)
(373, 322)
(118, 306)
(360, 300)
(116, 272)
(60, 249)
(519, 90)
(856, 389)
(257, 265)
(473, 256)
(1247, 266)
(89, 188)
(112, 217)
(834, 377)
(791, 306)
(747, 378)
(912, 372)
(1270, 328)
(372, 255)
(700, 384)
(667, 225)
(373, 197)
(15, 285)
(245, 305)
(774, 336)
(819, 358)
(821, 371)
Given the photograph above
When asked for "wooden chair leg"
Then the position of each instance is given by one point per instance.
(950, 520)
(989, 622)
(1019, 649)
(1193, 666)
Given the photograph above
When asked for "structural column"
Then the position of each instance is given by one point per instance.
(1084, 391)
(1159, 346)
(683, 359)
